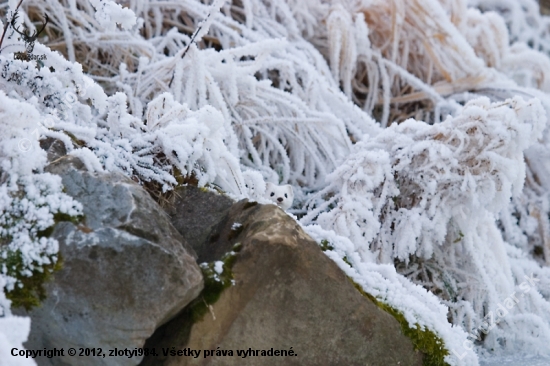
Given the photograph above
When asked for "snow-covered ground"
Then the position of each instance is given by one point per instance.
(514, 361)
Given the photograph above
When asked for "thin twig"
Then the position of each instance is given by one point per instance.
(205, 20)
(8, 23)
(187, 48)
(189, 29)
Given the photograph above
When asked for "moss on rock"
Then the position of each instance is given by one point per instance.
(29, 291)
(214, 284)
(423, 339)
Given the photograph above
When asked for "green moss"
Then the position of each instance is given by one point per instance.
(423, 339)
(214, 284)
(32, 292)
(325, 245)
(59, 217)
(237, 247)
(29, 290)
(345, 259)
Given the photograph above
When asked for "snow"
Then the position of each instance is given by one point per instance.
(108, 13)
(218, 267)
(524, 360)
(14, 331)
(417, 305)
(414, 134)
(25, 214)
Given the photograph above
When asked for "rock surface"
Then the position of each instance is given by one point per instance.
(196, 214)
(286, 293)
(126, 270)
(54, 148)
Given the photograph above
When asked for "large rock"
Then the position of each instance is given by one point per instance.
(196, 213)
(126, 270)
(286, 294)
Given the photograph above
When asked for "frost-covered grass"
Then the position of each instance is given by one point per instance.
(413, 132)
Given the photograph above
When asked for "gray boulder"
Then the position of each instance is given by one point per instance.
(197, 214)
(287, 295)
(126, 270)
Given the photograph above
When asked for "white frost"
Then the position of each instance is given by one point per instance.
(441, 215)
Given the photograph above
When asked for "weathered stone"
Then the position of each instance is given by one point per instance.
(286, 293)
(126, 270)
(54, 148)
(196, 214)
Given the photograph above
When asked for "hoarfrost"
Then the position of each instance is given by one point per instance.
(447, 192)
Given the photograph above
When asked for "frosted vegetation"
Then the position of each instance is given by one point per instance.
(414, 133)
